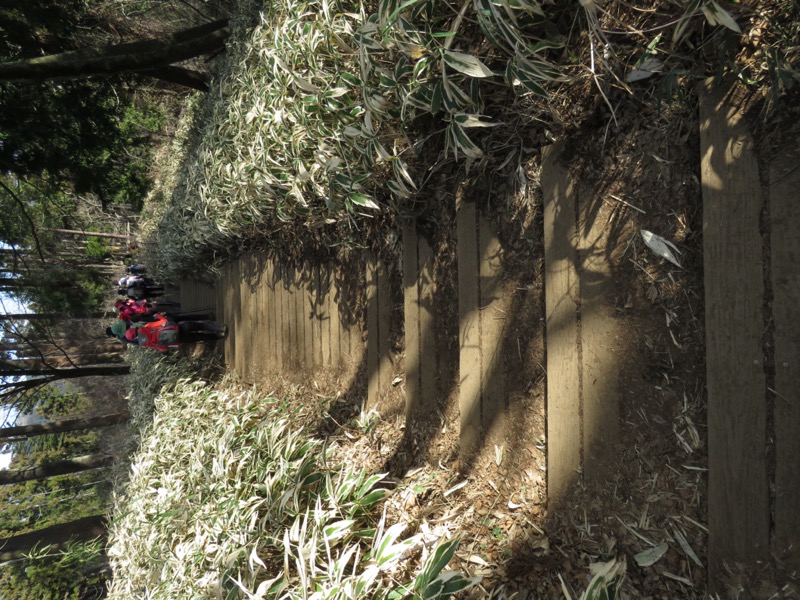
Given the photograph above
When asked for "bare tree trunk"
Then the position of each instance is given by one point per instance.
(55, 536)
(62, 425)
(79, 232)
(144, 55)
(59, 467)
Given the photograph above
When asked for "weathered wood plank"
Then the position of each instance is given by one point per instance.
(255, 349)
(493, 309)
(379, 366)
(298, 340)
(428, 366)
(335, 319)
(373, 320)
(598, 331)
(384, 322)
(307, 301)
(268, 318)
(784, 198)
(286, 321)
(240, 345)
(469, 394)
(324, 313)
(411, 309)
(226, 283)
(737, 479)
(276, 315)
(561, 304)
(316, 325)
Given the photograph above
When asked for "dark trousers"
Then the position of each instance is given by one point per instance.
(197, 331)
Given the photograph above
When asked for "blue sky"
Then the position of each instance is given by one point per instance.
(8, 305)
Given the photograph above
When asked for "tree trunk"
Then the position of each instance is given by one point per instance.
(143, 55)
(79, 232)
(56, 536)
(8, 369)
(62, 425)
(178, 75)
(59, 467)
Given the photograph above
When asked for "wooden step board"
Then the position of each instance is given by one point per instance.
(581, 331)
(421, 372)
(379, 310)
(754, 429)
(784, 208)
(482, 321)
(738, 492)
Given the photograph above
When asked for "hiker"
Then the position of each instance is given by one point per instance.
(117, 330)
(139, 288)
(136, 269)
(134, 310)
(164, 333)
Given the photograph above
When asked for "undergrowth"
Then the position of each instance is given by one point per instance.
(230, 497)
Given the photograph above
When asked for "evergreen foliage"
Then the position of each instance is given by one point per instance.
(34, 505)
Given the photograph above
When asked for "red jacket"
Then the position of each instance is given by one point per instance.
(161, 334)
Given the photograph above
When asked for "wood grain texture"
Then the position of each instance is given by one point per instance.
(373, 355)
(564, 435)
(737, 480)
(384, 324)
(335, 319)
(411, 301)
(324, 314)
(598, 337)
(316, 324)
(493, 310)
(428, 367)
(784, 178)
(469, 394)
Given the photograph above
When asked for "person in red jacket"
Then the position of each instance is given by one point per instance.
(164, 334)
(136, 310)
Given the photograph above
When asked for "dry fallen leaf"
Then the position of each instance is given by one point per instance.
(661, 246)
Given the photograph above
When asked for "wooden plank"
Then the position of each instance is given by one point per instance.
(469, 394)
(286, 323)
(599, 337)
(268, 319)
(784, 198)
(384, 323)
(307, 316)
(561, 322)
(240, 347)
(297, 308)
(493, 310)
(379, 367)
(336, 324)
(230, 312)
(738, 494)
(316, 325)
(280, 315)
(411, 310)
(428, 368)
(250, 298)
(324, 314)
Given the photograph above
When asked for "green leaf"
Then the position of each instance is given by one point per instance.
(472, 121)
(466, 63)
(436, 562)
(337, 530)
(363, 200)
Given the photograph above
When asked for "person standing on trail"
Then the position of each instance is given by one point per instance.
(164, 333)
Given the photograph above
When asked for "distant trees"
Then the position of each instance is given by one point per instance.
(60, 122)
(55, 536)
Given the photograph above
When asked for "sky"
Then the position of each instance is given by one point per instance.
(8, 305)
